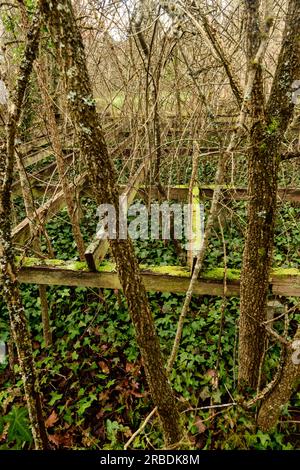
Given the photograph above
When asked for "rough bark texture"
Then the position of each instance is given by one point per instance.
(269, 124)
(280, 394)
(17, 316)
(60, 19)
(54, 133)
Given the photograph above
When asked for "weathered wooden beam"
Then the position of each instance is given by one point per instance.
(39, 178)
(240, 194)
(180, 193)
(290, 195)
(156, 278)
(98, 248)
(35, 143)
(41, 150)
(44, 213)
(285, 282)
(167, 148)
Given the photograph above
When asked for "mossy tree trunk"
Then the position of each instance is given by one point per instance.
(8, 271)
(60, 19)
(269, 123)
(53, 129)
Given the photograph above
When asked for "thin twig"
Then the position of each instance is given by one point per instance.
(210, 407)
(140, 429)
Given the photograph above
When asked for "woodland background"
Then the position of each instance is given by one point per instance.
(196, 94)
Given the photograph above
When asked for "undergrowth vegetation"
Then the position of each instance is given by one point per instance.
(92, 381)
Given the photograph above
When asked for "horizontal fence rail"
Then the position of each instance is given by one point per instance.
(176, 279)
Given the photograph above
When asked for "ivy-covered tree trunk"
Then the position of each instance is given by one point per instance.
(269, 123)
(60, 19)
(8, 270)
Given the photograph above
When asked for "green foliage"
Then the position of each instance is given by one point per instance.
(15, 426)
(31, 5)
(113, 430)
(273, 126)
(92, 379)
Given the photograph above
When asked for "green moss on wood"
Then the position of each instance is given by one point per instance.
(70, 265)
(214, 274)
(167, 270)
(217, 274)
(285, 272)
(107, 267)
(77, 266)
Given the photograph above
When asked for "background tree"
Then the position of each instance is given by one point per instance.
(18, 321)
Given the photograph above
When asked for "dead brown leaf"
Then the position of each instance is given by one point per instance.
(104, 367)
(51, 420)
(200, 425)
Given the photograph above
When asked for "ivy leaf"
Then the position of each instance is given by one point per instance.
(18, 425)
(264, 438)
(74, 355)
(216, 396)
(55, 397)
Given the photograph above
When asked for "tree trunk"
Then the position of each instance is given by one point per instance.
(18, 321)
(52, 127)
(262, 190)
(269, 123)
(60, 18)
(280, 394)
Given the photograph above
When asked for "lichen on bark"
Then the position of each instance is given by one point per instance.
(61, 22)
(8, 270)
(269, 121)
